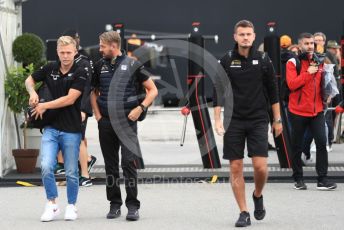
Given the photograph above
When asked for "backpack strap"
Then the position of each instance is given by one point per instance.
(230, 53)
(228, 59)
(298, 65)
(264, 60)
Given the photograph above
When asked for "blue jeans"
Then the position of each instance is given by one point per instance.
(54, 140)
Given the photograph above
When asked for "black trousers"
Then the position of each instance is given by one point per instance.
(308, 138)
(317, 127)
(110, 144)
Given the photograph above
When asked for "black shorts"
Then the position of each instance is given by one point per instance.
(254, 131)
(83, 128)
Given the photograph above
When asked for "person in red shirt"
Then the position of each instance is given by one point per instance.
(306, 111)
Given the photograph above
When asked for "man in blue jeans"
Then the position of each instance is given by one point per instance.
(65, 82)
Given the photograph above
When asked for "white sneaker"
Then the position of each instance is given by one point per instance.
(329, 148)
(313, 149)
(310, 160)
(71, 212)
(51, 211)
(303, 158)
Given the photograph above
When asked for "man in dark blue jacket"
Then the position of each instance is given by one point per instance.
(116, 108)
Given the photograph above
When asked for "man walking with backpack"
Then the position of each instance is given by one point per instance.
(307, 111)
(253, 81)
(115, 83)
(66, 82)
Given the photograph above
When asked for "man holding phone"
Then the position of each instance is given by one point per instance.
(307, 111)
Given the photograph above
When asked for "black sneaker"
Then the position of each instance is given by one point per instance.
(91, 163)
(259, 209)
(244, 220)
(133, 214)
(325, 185)
(59, 169)
(84, 181)
(300, 185)
(114, 212)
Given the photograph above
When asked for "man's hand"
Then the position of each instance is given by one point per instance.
(97, 116)
(34, 99)
(328, 101)
(219, 128)
(312, 69)
(39, 110)
(135, 113)
(83, 116)
(277, 128)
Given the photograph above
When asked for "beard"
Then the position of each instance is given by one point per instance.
(310, 51)
(245, 46)
(104, 55)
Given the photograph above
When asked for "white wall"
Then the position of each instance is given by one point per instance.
(10, 28)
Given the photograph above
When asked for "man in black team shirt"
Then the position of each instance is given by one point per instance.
(86, 161)
(252, 79)
(66, 83)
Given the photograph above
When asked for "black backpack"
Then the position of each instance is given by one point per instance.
(141, 95)
(49, 116)
(140, 89)
(284, 89)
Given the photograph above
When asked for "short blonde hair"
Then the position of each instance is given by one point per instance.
(111, 37)
(66, 40)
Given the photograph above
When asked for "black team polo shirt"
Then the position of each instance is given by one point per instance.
(68, 118)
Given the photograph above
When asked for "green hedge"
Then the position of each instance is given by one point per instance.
(28, 48)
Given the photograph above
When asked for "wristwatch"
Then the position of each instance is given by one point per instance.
(278, 121)
(144, 108)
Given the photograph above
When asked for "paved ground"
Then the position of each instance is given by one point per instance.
(160, 136)
(163, 156)
(180, 206)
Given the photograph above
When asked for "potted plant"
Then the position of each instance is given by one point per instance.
(27, 48)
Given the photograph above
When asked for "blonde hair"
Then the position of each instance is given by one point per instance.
(111, 37)
(66, 40)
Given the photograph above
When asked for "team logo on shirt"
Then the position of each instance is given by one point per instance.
(104, 69)
(236, 64)
(54, 76)
(254, 62)
(124, 67)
